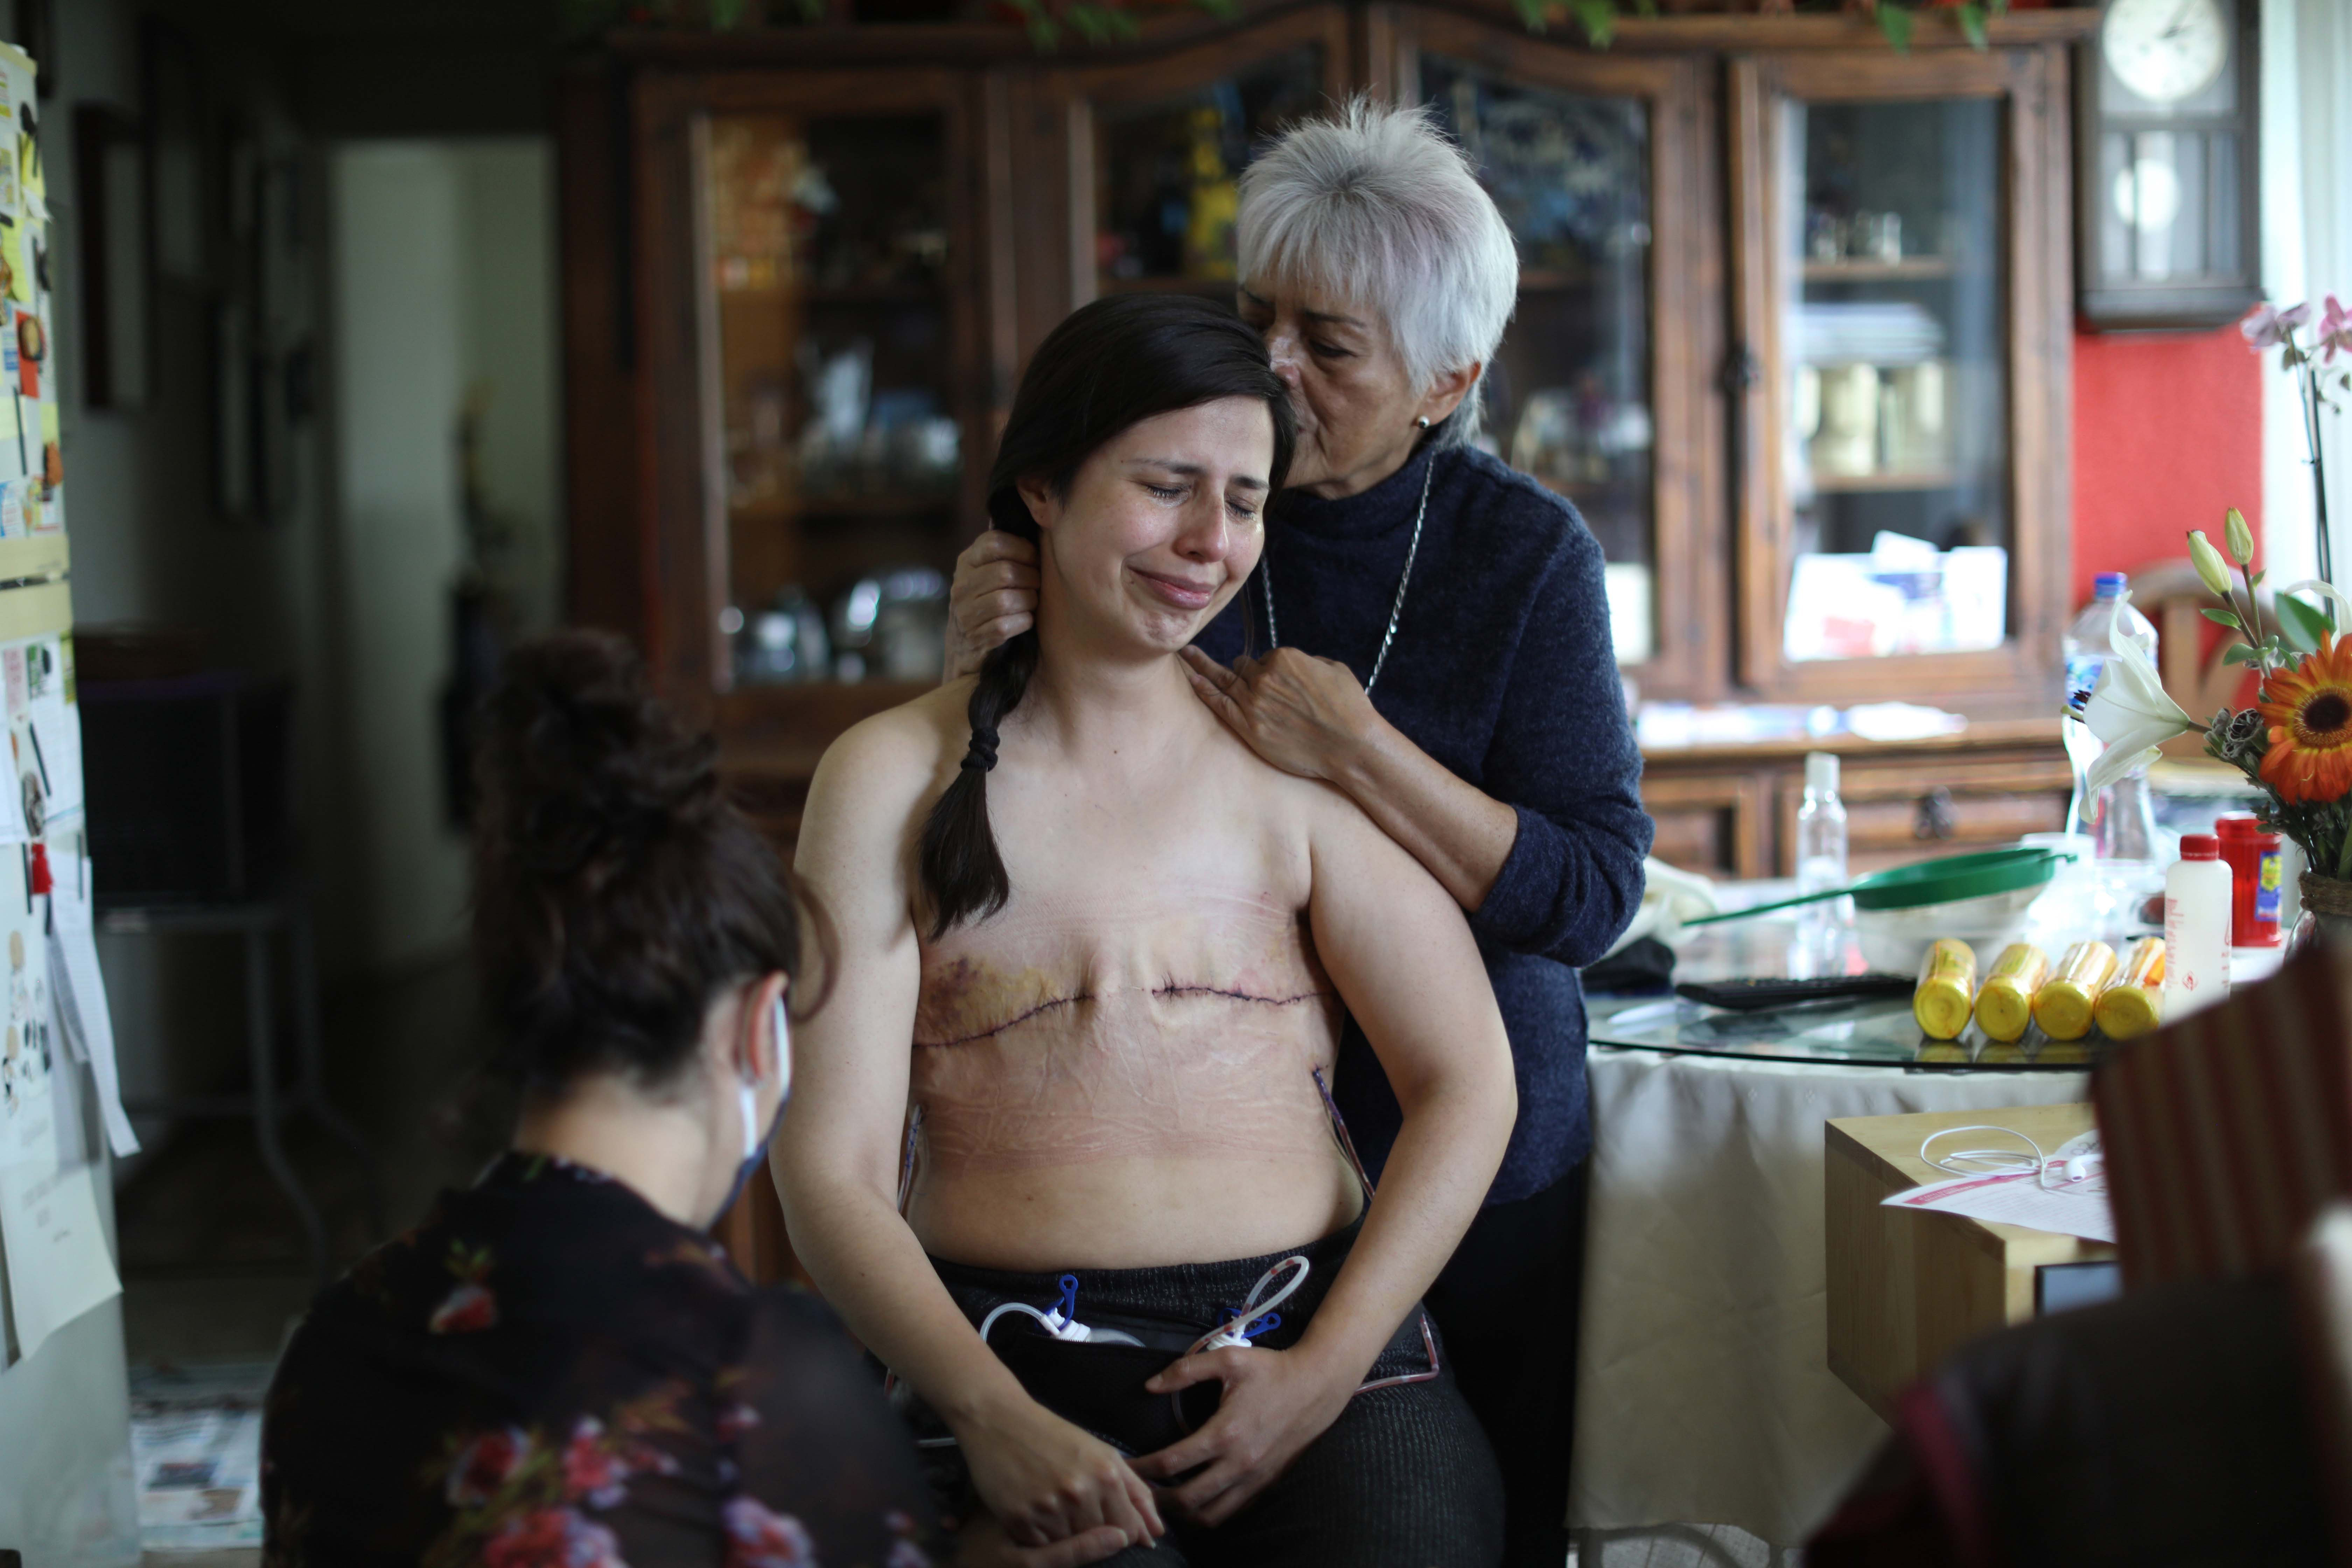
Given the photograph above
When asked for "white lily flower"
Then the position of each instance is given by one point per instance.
(2130, 711)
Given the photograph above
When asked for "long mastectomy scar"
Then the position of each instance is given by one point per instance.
(1186, 1024)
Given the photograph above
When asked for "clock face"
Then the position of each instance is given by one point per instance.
(2165, 50)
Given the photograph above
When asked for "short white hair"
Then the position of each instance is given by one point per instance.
(1377, 207)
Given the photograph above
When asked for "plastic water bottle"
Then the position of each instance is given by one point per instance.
(2121, 818)
(1821, 863)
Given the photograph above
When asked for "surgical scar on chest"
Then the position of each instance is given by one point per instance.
(1047, 1043)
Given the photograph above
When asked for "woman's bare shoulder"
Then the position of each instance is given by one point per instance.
(887, 764)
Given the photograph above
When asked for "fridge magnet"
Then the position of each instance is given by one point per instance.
(32, 343)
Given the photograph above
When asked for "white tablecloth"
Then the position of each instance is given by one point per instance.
(1704, 1394)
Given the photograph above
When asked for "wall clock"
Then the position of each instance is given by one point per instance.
(2165, 227)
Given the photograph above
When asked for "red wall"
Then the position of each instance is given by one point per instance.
(2168, 436)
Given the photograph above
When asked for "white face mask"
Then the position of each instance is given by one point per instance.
(747, 1096)
(754, 1145)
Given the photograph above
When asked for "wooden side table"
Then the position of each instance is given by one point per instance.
(1905, 1289)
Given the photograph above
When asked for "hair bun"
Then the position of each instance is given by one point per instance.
(578, 760)
(616, 891)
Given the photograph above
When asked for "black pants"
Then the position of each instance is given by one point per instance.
(1403, 1478)
(1508, 1304)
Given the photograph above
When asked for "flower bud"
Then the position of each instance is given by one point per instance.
(2240, 537)
(2210, 567)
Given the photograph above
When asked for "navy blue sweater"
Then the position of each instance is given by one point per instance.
(1503, 671)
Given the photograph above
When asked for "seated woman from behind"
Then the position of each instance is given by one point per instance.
(1102, 952)
(559, 1365)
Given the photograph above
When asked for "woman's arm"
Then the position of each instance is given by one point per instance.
(1547, 858)
(1404, 962)
(836, 1161)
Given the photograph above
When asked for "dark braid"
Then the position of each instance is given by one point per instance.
(1109, 366)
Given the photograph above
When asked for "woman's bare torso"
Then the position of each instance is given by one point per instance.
(1117, 1070)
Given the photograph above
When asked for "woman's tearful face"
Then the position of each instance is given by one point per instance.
(1159, 526)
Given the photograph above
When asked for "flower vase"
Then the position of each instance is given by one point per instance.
(2326, 905)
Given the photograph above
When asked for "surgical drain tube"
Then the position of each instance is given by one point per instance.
(1946, 989)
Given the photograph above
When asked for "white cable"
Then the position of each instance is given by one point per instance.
(1988, 1162)
(1061, 1328)
(2012, 1162)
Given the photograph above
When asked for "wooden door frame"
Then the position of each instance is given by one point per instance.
(2035, 196)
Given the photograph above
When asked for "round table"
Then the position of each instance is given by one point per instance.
(1704, 1394)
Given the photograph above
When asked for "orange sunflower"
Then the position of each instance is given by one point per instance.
(2310, 715)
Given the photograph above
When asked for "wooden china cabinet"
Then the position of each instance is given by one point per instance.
(1792, 333)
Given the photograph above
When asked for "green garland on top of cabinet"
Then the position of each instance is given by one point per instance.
(1106, 21)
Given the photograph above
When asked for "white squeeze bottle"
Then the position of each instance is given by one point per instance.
(2196, 927)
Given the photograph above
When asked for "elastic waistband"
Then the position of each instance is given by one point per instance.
(1173, 1288)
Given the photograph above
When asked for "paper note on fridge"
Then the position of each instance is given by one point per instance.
(81, 991)
(58, 1266)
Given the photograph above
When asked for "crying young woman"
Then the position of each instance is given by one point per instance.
(1062, 1149)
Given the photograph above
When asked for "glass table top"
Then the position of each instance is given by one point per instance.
(1874, 1033)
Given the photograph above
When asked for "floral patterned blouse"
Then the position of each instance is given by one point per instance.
(547, 1372)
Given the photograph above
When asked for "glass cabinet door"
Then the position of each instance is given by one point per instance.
(1166, 171)
(1895, 372)
(1156, 150)
(1894, 492)
(830, 336)
(1571, 148)
(1567, 399)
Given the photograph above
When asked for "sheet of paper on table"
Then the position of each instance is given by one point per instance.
(2069, 1208)
(58, 1266)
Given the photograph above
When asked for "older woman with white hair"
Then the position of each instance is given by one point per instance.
(1436, 643)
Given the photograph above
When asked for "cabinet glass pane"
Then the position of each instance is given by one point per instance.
(839, 449)
(1894, 340)
(1166, 170)
(1567, 397)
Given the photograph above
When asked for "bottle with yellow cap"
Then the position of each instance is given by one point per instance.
(2063, 1006)
(1947, 988)
(2133, 1002)
(2005, 1000)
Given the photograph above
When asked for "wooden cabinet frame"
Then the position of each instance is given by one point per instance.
(2035, 196)
(649, 518)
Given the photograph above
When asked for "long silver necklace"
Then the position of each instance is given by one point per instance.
(1265, 569)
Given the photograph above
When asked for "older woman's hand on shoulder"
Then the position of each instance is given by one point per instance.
(992, 601)
(1305, 715)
